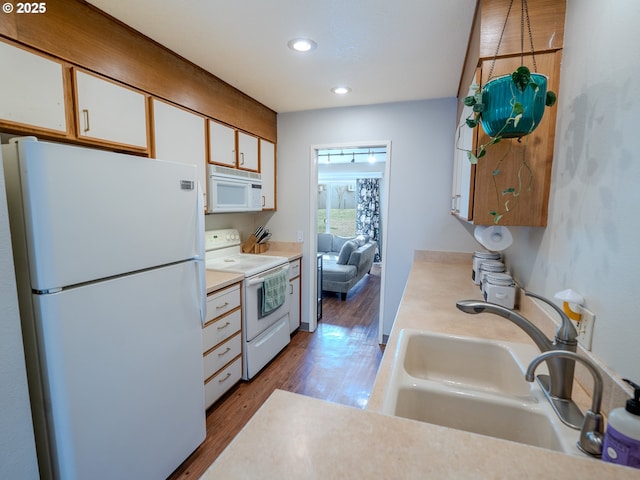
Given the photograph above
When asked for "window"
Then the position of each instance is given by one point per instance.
(337, 208)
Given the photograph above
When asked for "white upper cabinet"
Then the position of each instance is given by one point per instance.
(31, 90)
(248, 152)
(222, 144)
(110, 113)
(179, 136)
(268, 172)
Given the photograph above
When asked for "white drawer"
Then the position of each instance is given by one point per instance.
(215, 387)
(294, 269)
(224, 301)
(220, 330)
(223, 354)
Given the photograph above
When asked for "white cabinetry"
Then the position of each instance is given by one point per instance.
(294, 294)
(179, 136)
(268, 172)
(462, 170)
(248, 152)
(222, 343)
(31, 90)
(110, 113)
(222, 144)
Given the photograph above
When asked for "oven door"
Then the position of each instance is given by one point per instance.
(254, 322)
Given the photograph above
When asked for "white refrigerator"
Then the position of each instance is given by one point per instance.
(109, 263)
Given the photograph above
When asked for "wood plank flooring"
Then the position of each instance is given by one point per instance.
(337, 363)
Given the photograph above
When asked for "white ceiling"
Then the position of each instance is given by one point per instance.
(385, 50)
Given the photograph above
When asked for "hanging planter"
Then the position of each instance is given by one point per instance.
(501, 95)
(508, 107)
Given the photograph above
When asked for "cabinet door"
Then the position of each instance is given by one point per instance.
(268, 172)
(463, 170)
(248, 152)
(507, 157)
(294, 305)
(31, 90)
(110, 113)
(222, 144)
(179, 136)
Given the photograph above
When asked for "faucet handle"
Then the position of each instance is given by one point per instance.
(566, 332)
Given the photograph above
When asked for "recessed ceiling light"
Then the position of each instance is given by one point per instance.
(341, 90)
(302, 44)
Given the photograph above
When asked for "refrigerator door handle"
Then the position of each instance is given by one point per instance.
(200, 257)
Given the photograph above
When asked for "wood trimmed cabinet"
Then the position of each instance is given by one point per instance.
(295, 270)
(222, 144)
(247, 152)
(33, 91)
(222, 342)
(109, 113)
(180, 136)
(62, 101)
(474, 194)
(268, 172)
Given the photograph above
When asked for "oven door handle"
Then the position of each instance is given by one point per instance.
(255, 281)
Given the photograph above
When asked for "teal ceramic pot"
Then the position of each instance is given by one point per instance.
(497, 95)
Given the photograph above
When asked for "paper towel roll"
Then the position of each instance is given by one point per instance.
(494, 238)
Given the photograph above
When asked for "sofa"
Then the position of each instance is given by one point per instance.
(345, 260)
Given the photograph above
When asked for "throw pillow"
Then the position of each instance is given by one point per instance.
(338, 242)
(345, 252)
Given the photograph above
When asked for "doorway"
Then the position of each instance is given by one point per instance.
(351, 181)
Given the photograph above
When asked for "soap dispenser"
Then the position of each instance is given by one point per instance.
(622, 438)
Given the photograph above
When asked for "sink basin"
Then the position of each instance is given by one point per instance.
(467, 362)
(473, 413)
(475, 385)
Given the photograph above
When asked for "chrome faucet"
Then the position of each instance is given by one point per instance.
(558, 385)
(592, 431)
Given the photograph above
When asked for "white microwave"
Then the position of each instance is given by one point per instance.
(232, 190)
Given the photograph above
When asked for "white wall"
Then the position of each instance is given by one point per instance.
(421, 135)
(17, 443)
(592, 241)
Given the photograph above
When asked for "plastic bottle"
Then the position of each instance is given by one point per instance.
(622, 438)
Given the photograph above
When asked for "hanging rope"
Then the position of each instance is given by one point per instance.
(524, 14)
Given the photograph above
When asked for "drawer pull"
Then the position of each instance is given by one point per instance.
(224, 326)
(222, 354)
(222, 380)
(218, 307)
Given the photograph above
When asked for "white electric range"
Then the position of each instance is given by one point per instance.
(264, 335)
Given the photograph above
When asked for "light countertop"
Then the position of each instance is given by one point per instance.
(298, 437)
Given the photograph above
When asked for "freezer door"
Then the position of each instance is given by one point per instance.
(122, 363)
(92, 214)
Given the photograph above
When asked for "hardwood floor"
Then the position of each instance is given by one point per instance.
(337, 363)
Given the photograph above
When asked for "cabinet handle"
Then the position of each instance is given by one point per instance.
(291, 287)
(242, 158)
(225, 352)
(85, 114)
(218, 307)
(224, 326)
(222, 380)
(264, 200)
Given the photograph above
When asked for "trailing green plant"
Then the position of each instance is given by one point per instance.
(521, 80)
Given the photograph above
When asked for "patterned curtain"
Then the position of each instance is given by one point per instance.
(368, 210)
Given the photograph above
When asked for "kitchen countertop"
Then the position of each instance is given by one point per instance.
(216, 279)
(294, 436)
